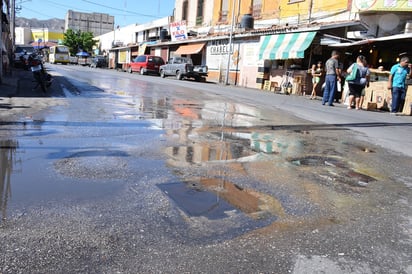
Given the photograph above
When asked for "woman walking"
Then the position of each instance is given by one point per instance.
(317, 72)
(359, 82)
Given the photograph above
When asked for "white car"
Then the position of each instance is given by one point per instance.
(21, 50)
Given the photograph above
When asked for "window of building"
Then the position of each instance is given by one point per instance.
(224, 11)
(257, 8)
(199, 15)
(185, 9)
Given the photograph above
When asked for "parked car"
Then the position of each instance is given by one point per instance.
(21, 54)
(99, 61)
(84, 61)
(182, 67)
(146, 64)
(73, 60)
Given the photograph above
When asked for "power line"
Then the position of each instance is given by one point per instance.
(131, 12)
(59, 5)
(37, 12)
(79, 9)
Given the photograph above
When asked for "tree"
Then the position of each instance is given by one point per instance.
(78, 41)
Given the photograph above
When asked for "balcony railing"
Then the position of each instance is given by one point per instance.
(199, 20)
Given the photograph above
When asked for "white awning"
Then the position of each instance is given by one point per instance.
(372, 40)
(285, 46)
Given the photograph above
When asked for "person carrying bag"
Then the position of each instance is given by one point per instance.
(358, 79)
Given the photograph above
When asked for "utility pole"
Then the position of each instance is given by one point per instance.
(230, 42)
(12, 29)
(310, 11)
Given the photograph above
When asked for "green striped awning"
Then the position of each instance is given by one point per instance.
(285, 46)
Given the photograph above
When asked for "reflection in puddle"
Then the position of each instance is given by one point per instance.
(333, 169)
(315, 160)
(217, 198)
(208, 135)
(280, 143)
(205, 152)
(7, 160)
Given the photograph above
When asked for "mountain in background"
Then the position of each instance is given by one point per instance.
(51, 24)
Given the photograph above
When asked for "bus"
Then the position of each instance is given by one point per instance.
(59, 54)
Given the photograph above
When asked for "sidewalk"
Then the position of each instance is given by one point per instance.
(18, 98)
(9, 85)
(19, 84)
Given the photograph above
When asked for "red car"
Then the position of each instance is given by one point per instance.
(146, 64)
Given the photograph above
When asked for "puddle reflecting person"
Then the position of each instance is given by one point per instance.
(357, 85)
(397, 83)
(317, 71)
(331, 78)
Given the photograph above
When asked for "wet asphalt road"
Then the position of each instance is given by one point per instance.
(125, 173)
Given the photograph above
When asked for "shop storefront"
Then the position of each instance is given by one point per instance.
(276, 59)
(381, 53)
(282, 55)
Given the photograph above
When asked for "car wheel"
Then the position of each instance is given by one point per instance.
(162, 74)
(130, 70)
(179, 75)
(142, 71)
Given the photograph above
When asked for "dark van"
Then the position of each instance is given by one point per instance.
(146, 64)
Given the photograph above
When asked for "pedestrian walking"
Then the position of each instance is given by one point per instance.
(397, 83)
(332, 75)
(358, 79)
(317, 71)
(339, 84)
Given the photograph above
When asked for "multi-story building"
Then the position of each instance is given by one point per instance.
(266, 13)
(97, 23)
(270, 37)
(6, 45)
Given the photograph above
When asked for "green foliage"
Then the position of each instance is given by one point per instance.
(78, 41)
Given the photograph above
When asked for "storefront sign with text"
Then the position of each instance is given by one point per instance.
(178, 30)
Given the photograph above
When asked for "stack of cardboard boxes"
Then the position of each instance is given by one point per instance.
(378, 97)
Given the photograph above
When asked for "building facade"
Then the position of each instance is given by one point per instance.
(6, 43)
(252, 42)
(97, 23)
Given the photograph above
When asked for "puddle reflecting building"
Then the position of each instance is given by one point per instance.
(7, 161)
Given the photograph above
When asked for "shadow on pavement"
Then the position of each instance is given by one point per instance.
(22, 84)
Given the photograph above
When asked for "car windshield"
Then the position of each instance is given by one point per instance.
(21, 49)
(62, 50)
(141, 58)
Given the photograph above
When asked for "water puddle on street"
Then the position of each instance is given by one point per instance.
(229, 166)
(235, 159)
(217, 198)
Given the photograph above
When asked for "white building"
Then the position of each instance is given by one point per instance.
(22, 35)
(132, 34)
(97, 23)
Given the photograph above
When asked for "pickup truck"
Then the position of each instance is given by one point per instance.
(182, 67)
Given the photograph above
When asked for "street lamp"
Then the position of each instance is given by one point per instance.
(230, 42)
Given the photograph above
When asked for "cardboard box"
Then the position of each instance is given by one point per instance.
(379, 99)
(371, 106)
(368, 98)
(407, 107)
(388, 100)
